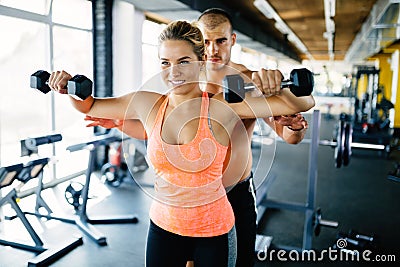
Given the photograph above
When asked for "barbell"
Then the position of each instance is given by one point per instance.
(343, 142)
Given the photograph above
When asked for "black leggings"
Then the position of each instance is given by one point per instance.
(242, 199)
(171, 250)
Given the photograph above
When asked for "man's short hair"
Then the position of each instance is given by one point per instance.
(215, 16)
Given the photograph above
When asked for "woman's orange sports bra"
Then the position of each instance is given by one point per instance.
(190, 199)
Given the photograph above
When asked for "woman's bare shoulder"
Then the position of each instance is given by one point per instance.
(218, 105)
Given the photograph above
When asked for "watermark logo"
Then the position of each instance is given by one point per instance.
(341, 243)
(342, 253)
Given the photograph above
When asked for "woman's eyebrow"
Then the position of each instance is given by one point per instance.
(179, 59)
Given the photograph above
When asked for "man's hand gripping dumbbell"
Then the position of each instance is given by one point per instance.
(301, 83)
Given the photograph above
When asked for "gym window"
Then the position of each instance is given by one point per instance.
(42, 34)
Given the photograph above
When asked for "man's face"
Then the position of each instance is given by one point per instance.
(219, 42)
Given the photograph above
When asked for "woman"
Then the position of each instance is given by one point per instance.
(188, 134)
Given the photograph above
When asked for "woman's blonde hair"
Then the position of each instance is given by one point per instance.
(185, 31)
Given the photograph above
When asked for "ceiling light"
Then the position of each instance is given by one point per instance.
(330, 6)
(265, 8)
(283, 28)
(329, 11)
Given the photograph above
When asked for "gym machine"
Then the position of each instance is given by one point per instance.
(34, 169)
(82, 220)
(364, 129)
(29, 146)
(313, 218)
(343, 142)
(76, 193)
(125, 159)
(368, 126)
(23, 173)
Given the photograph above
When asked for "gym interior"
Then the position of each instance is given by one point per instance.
(77, 195)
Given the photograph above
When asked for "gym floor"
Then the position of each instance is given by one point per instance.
(358, 197)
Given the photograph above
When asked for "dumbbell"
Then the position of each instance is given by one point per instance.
(301, 83)
(356, 240)
(359, 236)
(79, 85)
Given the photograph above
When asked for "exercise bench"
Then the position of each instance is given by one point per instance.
(45, 255)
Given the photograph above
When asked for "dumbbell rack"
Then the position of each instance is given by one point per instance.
(313, 219)
(45, 255)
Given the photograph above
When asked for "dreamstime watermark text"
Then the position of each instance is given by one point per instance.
(341, 253)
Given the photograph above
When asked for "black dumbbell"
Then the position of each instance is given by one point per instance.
(79, 85)
(301, 83)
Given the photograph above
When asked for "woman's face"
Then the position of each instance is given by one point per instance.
(180, 65)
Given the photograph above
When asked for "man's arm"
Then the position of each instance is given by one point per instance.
(290, 128)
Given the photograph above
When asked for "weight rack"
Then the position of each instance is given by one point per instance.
(313, 219)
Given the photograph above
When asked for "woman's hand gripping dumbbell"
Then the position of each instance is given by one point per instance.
(301, 83)
(79, 85)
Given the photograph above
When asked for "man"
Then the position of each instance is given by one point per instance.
(216, 26)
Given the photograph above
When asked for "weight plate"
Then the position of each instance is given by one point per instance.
(339, 145)
(316, 221)
(348, 135)
(73, 194)
(110, 176)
